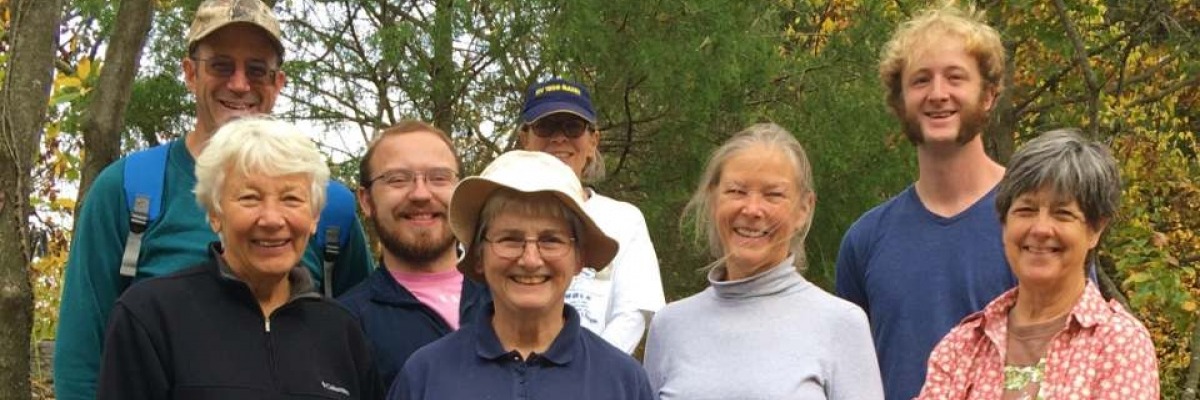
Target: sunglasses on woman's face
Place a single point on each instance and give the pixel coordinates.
(570, 127)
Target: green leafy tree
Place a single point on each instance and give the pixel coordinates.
(363, 65)
(671, 81)
(1120, 71)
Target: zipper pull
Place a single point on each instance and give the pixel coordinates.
(267, 322)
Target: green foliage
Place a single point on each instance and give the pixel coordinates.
(668, 78)
(1138, 51)
(156, 110)
(672, 80)
(859, 156)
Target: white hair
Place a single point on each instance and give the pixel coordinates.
(260, 145)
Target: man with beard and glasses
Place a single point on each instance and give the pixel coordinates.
(923, 260)
(235, 52)
(417, 294)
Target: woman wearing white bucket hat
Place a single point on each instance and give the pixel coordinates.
(526, 236)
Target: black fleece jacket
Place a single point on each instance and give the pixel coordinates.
(200, 334)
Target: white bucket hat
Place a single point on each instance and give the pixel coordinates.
(526, 172)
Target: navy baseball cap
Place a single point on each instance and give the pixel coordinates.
(555, 96)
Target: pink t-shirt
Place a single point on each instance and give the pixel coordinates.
(440, 291)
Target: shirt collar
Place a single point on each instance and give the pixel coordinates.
(1091, 308)
(783, 276)
(1088, 311)
(562, 349)
(300, 282)
(385, 289)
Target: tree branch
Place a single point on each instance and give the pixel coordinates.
(105, 117)
(1177, 86)
(1189, 259)
(1054, 79)
(1107, 286)
(1089, 76)
(485, 141)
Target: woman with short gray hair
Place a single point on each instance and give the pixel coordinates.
(1053, 336)
(248, 323)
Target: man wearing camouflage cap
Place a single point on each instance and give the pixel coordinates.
(233, 68)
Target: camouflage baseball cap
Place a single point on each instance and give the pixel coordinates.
(216, 14)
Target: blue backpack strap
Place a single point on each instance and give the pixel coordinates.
(143, 175)
(333, 230)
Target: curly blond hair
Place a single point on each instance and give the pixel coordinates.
(930, 25)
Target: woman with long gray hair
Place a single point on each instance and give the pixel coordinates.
(760, 330)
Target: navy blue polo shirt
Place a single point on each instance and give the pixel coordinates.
(471, 364)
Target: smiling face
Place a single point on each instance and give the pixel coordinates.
(575, 152)
(529, 284)
(220, 99)
(411, 218)
(758, 209)
(264, 223)
(944, 96)
(1047, 239)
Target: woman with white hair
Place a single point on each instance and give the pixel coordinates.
(760, 330)
(249, 323)
(526, 235)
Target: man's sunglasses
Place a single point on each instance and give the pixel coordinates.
(571, 128)
(223, 67)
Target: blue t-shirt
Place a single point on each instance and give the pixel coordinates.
(917, 274)
(471, 364)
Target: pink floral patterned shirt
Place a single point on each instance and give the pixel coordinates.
(1102, 353)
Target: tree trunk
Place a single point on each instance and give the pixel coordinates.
(1192, 380)
(1000, 137)
(442, 74)
(105, 115)
(23, 98)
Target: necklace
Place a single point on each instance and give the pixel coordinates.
(1024, 379)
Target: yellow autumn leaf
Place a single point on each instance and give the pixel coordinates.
(828, 26)
(1138, 277)
(52, 132)
(84, 69)
(64, 82)
(64, 204)
(1188, 306)
(60, 165)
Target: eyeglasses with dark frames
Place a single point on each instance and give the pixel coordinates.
(256, 71)
(407, 179)
(570, 127)
(550, 247)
